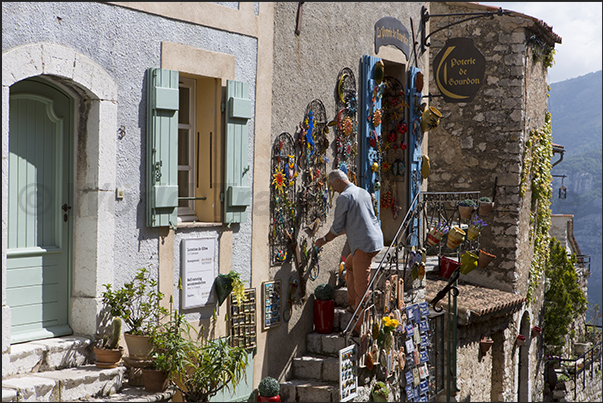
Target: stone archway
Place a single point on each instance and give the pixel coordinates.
(95, 93)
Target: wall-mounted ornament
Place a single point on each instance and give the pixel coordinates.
(345, 124)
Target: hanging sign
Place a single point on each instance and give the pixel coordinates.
(198, 272)
(459, 70)
(390, 31)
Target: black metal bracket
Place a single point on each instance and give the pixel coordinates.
(444, 291)
(425, 16)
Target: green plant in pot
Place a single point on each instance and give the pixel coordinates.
(107, 349)
(137, 303)
(466, 208)
(269, 390)
(485, 206)
(380, 392)
(324, 308)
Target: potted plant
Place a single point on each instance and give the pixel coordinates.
(107, 350)
(380, 392)
(476, 228)
(520, 339)
(137, 303)
(269, 390)
(324, 308)
(436, 234)
(485, 205)
(466, 208)
(227, 283)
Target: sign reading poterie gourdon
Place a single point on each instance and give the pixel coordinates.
(459, 70)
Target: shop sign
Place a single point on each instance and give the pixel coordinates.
(390, 31)
(459, 70)
(198, 272)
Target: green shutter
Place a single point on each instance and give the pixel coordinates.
(162, 147)
(236, 168)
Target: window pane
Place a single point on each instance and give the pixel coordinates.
(183, 116)
(183, 187)
(183, 146)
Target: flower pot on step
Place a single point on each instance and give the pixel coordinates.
(154, 380)
(139, 346)
(108, 357)
(484, 259)
(324, 315)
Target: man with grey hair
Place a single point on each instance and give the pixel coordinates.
(354, 216)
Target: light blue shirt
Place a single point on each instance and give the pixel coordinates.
(355, 214)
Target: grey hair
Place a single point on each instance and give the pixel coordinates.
(337, 174)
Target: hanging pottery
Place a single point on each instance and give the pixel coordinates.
(455, 237)
(473, 232)
(425, 166)
(484, 259)
(434, 237)
(430, 118)
(468, 262)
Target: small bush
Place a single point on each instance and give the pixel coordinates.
(269, 387)
(324, 292)
(468, 203)
(485, 199)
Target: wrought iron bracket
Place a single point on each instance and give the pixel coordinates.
(450, 286)
(425, 16)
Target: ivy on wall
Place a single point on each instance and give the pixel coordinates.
(563, 297)
(536, 176)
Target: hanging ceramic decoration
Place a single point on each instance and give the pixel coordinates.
(282, 191)
(345, 124)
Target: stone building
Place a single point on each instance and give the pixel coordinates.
(480, 145)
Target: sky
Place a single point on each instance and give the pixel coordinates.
(578, 25)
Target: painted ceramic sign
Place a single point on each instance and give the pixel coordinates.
(390, 31)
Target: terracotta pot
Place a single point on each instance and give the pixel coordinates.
(485, 208)
(484, 259)
(107, 357)
(466, 211)
(455, 237)
(276, 398)
(473, 232)
(324, 315)
(139, 347)
(468, 262)
(536, 331)
(448, 266)
(378, 398)
(154, 380)
(485, 345)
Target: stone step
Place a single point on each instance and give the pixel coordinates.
(64, 385)
(135, 394)
(325, 344)
(316, 367)
(305, 390)
(48, 355)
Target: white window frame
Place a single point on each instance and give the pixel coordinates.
(188, 213)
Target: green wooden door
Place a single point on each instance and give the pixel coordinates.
(39, 211)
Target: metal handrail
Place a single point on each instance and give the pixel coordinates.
(378, 273)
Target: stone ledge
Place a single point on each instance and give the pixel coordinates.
(135, 394)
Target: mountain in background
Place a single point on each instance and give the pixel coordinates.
(575, 106)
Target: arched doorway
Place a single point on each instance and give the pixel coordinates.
(93, 96)
(39, 207)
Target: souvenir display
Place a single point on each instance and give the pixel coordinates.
(346, 124)
(271, 303)
(282, 195)
(417, 348)
(348, 379)
(242, 320)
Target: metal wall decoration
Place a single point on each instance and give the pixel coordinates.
(346, 124)
(271, 304)
(282, 199)
(313, 144)
(393, 143)
(242, 320)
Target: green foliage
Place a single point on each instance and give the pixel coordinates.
(137, 303)
(324, 292)
(269, 387)
(117, 325)
(564, 300)
(380, 389)
(468, 203)
(485, 199)
(536, 177)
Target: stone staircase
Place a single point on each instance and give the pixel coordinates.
(316, 374)
(62, 370)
